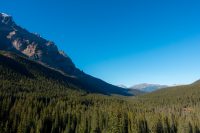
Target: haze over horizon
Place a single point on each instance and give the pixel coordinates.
(127, 42)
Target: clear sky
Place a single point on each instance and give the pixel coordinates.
(120, 41)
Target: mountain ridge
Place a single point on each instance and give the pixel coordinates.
(15, 39)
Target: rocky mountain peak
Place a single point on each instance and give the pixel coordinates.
(6, 19)
(16, 39)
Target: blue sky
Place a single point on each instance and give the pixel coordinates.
(120, 41)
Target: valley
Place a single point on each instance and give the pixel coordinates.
(42, 91)
(34, 98)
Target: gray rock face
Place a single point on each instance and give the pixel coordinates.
(32, 45)
(6, 19)
(16, 39)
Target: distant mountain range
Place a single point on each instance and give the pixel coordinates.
(18, 40)
(145, 87)
(148, 87)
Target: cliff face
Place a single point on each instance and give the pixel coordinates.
(16, 39)
(32, 45)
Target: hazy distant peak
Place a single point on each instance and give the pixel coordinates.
(148, 87)
(122, 86)
(142, 85)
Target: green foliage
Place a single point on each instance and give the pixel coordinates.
(38, 100)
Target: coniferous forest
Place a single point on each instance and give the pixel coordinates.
(32, 100)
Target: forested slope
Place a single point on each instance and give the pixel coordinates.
(37, 99)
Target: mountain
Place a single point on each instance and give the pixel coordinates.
(39, 97)
(18, 40)
(122, 86)
(42, 91)
(148, 87)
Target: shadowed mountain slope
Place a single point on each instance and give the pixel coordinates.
(15, 68)
(18, 40)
